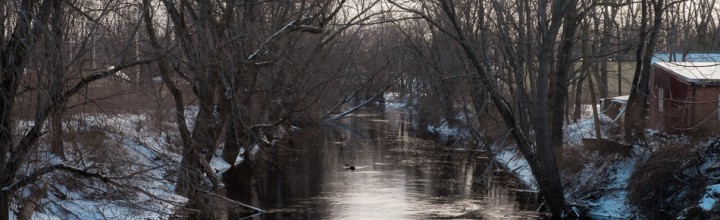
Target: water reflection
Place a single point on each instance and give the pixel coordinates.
(399, 175)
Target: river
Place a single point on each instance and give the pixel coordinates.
(400, 174)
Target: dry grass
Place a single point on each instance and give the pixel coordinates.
(607, 147)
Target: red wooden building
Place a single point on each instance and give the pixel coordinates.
(685, 97)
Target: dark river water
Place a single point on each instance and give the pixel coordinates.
(400, 175)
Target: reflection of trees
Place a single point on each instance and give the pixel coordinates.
(311, 174)
(292, 176)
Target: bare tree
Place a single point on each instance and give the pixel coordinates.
(239, 66)
(638, 101)
(35, 26)
(554, 62)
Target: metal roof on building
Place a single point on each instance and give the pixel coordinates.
(690, 57)
(695, 72)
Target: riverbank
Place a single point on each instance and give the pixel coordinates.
(605, 183)
(100, 144)
(597, 184)
(133, 159)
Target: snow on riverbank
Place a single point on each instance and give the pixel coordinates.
(585, 128)
(712, 195)
(393, 100)
(135, 156)
(598, 178)
(611, 205)
(514, 162)
(614, 204)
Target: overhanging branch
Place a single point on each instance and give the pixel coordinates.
(49, 169)
(371, 99)
(25, 145)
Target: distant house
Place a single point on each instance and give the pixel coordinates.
(685, 97)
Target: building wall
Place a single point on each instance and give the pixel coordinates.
(705, 113)
(676, 113)
(691, 109)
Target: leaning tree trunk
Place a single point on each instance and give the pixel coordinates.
(559, 83)
(193, 167)
(636, 113)
(644, 86)
(13, 58)
(549, 110)
(540, 166)
(631, 106)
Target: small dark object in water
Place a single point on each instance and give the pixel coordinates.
(352, 168)
(349, 167)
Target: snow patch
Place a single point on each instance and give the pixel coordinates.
(516, 164)
(147, 184)
(712, 194)
(219, 165)
(393, 100)
(585, 128)
(614, 204)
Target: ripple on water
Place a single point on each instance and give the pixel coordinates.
(398, 176)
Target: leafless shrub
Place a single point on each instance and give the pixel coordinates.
(586, 173)
(664, 184)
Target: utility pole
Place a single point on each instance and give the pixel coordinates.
(618, 57)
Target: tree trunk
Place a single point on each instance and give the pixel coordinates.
(549, 109)
(577, 112)
(603, 79)
(635, 115)
(596, 117)
(56, 133)
(631, 106)
(546, 174)
(232, 145)
(56, 79)
(4, 205)
(13, 58)
(564, 65)
(644, 86)
(192, 165)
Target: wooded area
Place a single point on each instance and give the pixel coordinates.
(232, 75)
